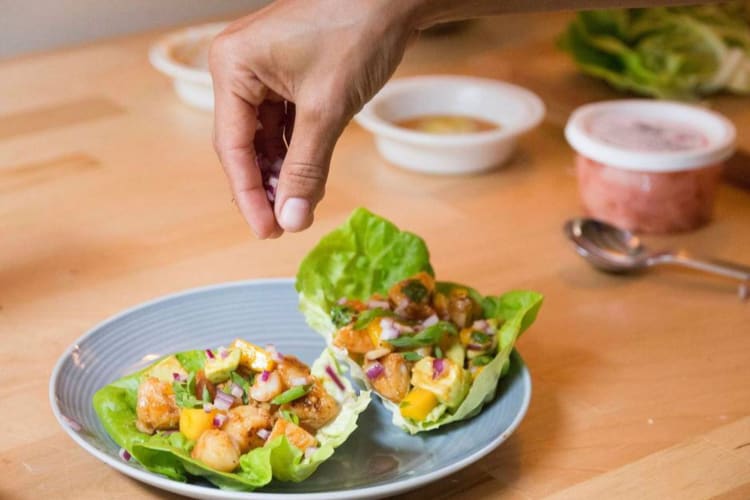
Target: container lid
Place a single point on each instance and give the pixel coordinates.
(650, 136)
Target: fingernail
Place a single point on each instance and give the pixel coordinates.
(295, 214)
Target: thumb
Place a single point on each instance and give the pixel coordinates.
(305, 169)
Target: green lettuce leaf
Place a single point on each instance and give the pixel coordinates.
(169, 453)
(348, 263)
(363, 256)
(666, 52)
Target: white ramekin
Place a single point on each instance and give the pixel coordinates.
(515, 109)
(192, 82)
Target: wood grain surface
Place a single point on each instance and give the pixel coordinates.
(110, 194)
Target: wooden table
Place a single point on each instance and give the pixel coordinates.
(110, 194)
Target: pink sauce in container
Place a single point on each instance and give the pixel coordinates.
(649, 166)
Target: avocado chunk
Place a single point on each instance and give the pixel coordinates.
(450, 386)
(165, 369)
(219, 369)
(456, 353)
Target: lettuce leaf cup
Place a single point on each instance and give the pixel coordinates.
(433, 351)
(238, 417)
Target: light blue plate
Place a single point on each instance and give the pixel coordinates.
(377, 460)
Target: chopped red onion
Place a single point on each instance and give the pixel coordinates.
(474, 347)
(310, 451)
(336, 380)
(295, 381)
(263, 434)
(236, 390)
(375, 371)
(210, 354)
(208, 407)
(223, 352)
(480, 324)
(72, 423)
(387, 329)
(432, 320)
(341, 301)
(223, 401)
(219, 420)
(124, 455)
(264, 375)
(178, 377)
(378, 304)
(438, 366)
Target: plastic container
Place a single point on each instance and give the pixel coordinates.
(649, 166)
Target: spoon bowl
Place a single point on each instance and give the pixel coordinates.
(605, 246)
(615, 250)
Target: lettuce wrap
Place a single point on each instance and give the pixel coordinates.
(169, 453)
(367, 255)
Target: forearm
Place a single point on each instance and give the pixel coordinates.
(430, 12)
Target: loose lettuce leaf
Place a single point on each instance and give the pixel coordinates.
(346, 263)
(169, 454)
(363, 256)
(666, 52)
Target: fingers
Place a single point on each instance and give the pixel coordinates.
(235, 128)
(305, 169)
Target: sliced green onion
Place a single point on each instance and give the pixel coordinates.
(290, 395)
(412, 356)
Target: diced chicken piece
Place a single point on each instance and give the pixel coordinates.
(217, 450)
(156, 408)
(244, 422)
(461, 307)
(354, 341)
(293, 371)
(296, 435)
(410, 298)
(394, 382)
(266, 390)
(315, 409)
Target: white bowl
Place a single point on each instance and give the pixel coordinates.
(183, 55)
(515, 109)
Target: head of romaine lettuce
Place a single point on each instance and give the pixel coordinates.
(666, 52)
(169, 453)
(368, 254)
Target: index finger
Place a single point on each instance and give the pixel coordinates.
(235, 124)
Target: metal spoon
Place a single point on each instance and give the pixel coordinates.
(612, 249)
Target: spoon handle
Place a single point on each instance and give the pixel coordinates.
(715, 266)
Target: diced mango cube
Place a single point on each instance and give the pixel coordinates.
(296, 435)
(374, 330)
(195, 421)
(417, 404)
(253, 357)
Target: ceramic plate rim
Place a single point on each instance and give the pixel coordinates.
(207, 492)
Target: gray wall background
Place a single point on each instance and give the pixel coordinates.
(36, 25)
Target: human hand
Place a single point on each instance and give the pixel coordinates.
(295, 72)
